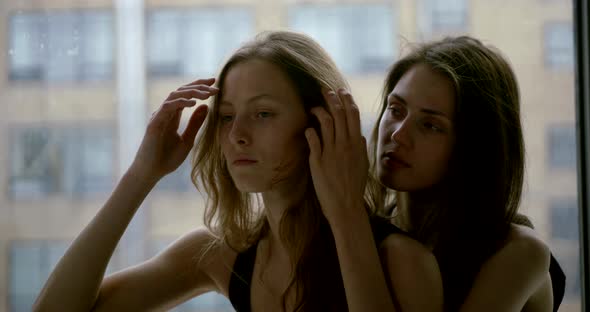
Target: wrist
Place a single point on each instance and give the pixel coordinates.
(141, 176)
(349, 217)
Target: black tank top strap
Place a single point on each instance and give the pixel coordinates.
(557, 281)
(382, 227)
(241, 279)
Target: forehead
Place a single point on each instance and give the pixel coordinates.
(252, 78)
(421, 86)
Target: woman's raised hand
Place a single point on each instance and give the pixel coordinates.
(163, 149)
(339, 163)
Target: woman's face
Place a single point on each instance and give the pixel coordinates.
(416, 133)
(262, 120)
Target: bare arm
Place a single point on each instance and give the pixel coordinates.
(412, 273)
(75, 281)
(512, 276)
(339, 170)
(363, 276)
(172, 277)
(74, 284)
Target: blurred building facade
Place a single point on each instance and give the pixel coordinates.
(60, 112)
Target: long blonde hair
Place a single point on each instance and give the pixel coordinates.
(235, 218)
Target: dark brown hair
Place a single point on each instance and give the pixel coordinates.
(479, 196)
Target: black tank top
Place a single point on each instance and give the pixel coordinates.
(241, 278)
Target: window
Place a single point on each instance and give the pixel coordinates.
(564, 228)
(448, 14)
(442, 16)
(359, 37)
(562, 146)
(179, 180)
(61, 46)
(30, 264)
(564, 219)
(559, 46)
(60, 160)
(194, 42)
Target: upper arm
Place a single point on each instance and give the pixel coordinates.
(511, 276)
(168, 279)
(412, 274)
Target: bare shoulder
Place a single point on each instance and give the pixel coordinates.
(524, 242)
(512, 275)
(203, 251)
(523, 255)
(404, 246)
(190, 266)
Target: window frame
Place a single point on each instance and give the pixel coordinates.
(581, 13)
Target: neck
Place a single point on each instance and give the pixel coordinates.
(412, 207)
(277, 201)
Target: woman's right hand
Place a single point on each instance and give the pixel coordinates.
(163, 149)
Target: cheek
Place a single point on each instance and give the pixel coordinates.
(288, 151)
(436, 157)
(222, 140)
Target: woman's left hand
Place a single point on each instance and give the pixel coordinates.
(339, 162)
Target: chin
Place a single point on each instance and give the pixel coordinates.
(399, 183)
(250, 186)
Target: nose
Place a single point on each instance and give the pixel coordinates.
(239, 133)
(401, 133)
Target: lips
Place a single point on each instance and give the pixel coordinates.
(390, 159)
(244, 161)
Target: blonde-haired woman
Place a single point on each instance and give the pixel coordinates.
(278, 234)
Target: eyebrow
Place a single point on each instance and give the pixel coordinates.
(252, 99)
(423, 110)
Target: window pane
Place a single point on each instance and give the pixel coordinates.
(562, 146)
(360, 37)
(97, 46)
(194, 42)
(559, 46)
(32, 172)
(59, 45)
(163, 42)
(27, 51)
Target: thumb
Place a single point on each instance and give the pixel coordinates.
(194, 124)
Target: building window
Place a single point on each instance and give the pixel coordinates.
(564, 219)
(178, 181)
(359, 37)
(448, 14)
(61, 46)
(76, 161)
(562, 147)
(436, 17)
(564, 227)
(194, 42)
(559, 46)
(30, 263)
